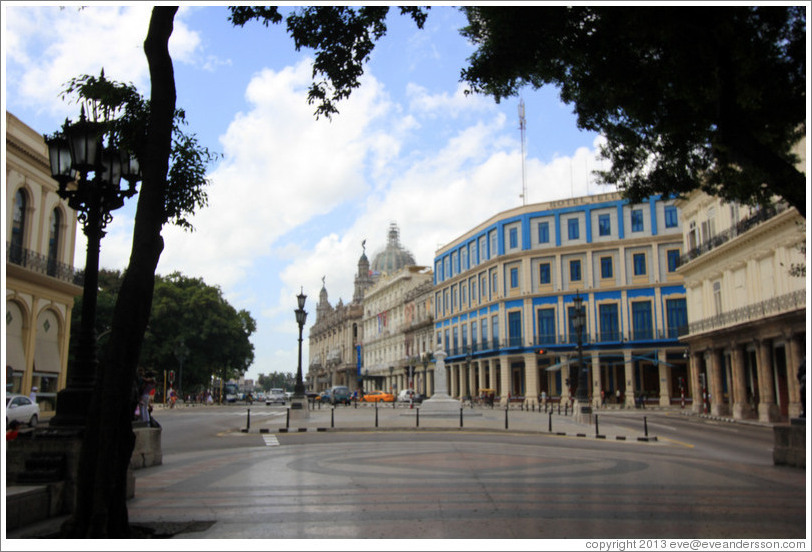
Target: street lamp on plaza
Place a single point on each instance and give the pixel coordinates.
(301, 316)
(76, 152)
(581, 394)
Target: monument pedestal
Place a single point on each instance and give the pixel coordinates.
(582, 412)
(440, 404)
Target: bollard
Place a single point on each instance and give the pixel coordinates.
(287, 420)
(566, 406)
(376, 413)
(550, 422)
(645, 426)
(596, 425)
(461, 409)
(248, 420)
(333, 417)
(506, 417)
(418, 417)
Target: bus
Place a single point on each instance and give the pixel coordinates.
(231, 391)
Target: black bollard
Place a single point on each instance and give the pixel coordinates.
(248, 420)
(418, 417)
(645, 426)
(287, 420)
(333, 417)
(376, 413)
(596, 425)
(506, 417)
(461, 409)
(550, 422)
(566, 406)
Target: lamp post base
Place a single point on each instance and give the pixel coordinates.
(72, 404)
(299, 409)
(582, 412)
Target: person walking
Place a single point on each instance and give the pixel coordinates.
(145, 392)
(33, 395)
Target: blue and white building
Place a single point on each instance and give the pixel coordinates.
(505, 291)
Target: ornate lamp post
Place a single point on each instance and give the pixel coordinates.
(75, 153)
(298, 400)
(581, 394)
(426, 359)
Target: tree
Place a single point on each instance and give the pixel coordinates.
(709, 98)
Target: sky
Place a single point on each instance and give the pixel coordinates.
(292, 197)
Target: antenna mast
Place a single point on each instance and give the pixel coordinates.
(522, 127)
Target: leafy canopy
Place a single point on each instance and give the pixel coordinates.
(687, 97)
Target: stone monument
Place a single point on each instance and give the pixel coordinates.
(440, 403)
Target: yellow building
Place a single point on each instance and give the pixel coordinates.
(41, 283)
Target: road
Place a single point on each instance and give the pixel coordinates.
(698, 480)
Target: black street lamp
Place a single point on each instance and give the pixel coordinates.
(426, 359)
(581, 394)
(301, 316)
(74, 153)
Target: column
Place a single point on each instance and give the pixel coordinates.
(629, 392)
(717, 366)
(472, 387)
(665, 378)
(492, 373)
(694, 369)
(794, 359)
(61, 381)
(767, 409)
(452, 380)
(481, 369)
(597, 380)
(531, 381)
(504, 380)
(742, 408)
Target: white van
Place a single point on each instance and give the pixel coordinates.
(275, 396)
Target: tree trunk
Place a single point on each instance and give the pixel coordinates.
(101, 508)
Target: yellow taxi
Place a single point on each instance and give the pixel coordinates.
(377, 396)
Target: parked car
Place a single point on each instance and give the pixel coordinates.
(275, 396)
(377, 396)
(410, 395)
(339, 394)
(22, 409)
(323, 397)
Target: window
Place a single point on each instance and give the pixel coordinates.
(494, 250)
(606, 267)
(514, 278)
(447, 267)
(544, 273)
(544, 232)
(641, 320)
(472, 254)
(672, 256)
(484, 328)
(456, 339)
(474, 296)
(637, 220)
(473, 335)
(513, 238)
(18, 228)
(639, 264)
(545, 319)
(494, 284)
(515, 329)
(717, 297)
(483, 286)
(573, 329)
(676, 316)
(464, 293)
(610, 327)
(455, 264)
(495, 330)
(575, 271)
(464, 337)
(453, 298)
(573, 229)
(671, 216)
(604, 225)
(483, 250)
(464, 259)
(53, 242)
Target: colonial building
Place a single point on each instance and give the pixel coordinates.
(394, 324)
(419, 339)
(335, 337)
(40, 280)
(505, 291)
(747, 312)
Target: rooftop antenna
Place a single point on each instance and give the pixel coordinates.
(522, 128)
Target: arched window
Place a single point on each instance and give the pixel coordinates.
(16, 247)
(53, 241)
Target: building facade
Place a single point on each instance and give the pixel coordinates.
(335, 338)
(394, 328)
(504, 302)
(747, 312)
(41, 283)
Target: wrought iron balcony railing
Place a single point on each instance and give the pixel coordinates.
(41, 264)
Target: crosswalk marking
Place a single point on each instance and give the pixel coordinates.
(270, 440)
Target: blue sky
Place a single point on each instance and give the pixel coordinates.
(293, 197)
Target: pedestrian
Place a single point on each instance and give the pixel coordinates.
(33, 395)
(146, 390)
(603, 397)
(617, 395)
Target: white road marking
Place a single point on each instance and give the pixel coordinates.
(270, 440)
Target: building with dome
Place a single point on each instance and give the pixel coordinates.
(393, 257)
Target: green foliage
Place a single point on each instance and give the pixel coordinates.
(186, 314)
(125, 114)
(687, 97)
(276, 380)
(343, 38)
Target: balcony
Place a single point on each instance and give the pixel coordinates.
(743, 226)
(748, 313)
(39, 263)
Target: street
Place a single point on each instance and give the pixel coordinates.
(698, 480)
